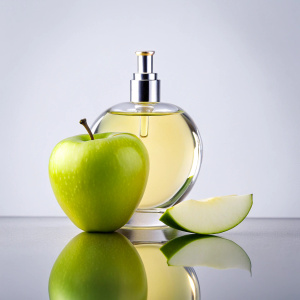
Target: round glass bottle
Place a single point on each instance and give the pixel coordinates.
(170, 136)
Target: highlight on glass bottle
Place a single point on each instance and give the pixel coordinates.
(170, 136)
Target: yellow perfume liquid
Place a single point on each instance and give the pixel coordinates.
(171, 146)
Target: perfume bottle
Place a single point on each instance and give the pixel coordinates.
(170, 136)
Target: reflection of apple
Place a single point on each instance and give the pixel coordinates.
(99, 183)
(164, 282)
(98, 266)
(206, 250)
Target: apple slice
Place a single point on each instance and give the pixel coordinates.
(206, 250)
(212, 215)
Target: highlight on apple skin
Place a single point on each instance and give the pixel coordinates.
(99, 183)
(98, 266)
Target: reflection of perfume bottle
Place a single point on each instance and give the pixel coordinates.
(170, 136)
(167, 282)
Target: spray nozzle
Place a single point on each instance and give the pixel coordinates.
(145, 87)
(144, 61)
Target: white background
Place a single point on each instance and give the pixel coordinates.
(232, 65)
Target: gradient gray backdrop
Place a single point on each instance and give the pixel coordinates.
(232, 65)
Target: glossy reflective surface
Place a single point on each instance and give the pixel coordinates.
(260, 259)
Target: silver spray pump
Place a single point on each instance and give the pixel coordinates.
(145, 87)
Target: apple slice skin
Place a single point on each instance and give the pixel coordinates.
(173, 246)
(169, 220)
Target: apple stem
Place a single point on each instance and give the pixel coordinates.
(86, 126)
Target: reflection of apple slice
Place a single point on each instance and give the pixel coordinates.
(209, 251)
(212, 215)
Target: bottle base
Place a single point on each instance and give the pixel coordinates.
(146, 219)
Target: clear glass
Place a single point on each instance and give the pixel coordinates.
(175, 152)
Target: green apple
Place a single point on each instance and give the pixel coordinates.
(212, 215)
(206, 250)
(98, 266)
(99, 183)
